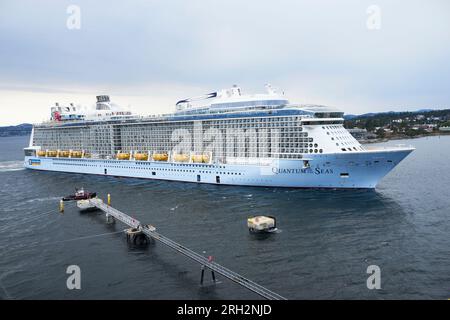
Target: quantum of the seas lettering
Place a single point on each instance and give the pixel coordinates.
(299, 171)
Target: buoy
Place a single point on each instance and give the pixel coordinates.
(109, 199)
(61, 206)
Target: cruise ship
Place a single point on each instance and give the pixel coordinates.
(224, 137)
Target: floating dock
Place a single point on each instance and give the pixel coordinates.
(203, 261)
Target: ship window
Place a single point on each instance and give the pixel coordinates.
(343, 149)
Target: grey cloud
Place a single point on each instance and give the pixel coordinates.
(318, 47)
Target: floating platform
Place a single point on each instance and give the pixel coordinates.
(262, 224)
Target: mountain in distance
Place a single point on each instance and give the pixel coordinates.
(19, 130)
(386, 113)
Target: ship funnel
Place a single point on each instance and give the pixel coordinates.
(102, 98)
(103, 103)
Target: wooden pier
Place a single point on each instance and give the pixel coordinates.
(203, 261)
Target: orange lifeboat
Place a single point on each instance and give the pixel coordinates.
(160, 157)
(181, 158)
(141, 156)
(76, 154)
(123, 156)
(200, 158)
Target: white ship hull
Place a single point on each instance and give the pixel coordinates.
(352, 170)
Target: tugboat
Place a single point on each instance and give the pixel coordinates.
(82, 198)
(80, 194)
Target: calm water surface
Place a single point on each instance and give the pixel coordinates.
(328, 238)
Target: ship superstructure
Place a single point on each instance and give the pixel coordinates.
(223, 137)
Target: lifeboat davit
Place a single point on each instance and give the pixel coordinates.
(63, 154)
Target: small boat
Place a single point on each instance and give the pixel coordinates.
(63, 154)
(181, 157)
(160, 157)
(80, 194)
(76, 154)
(200, 158)
(259, 224)
(141, 156)
(123, 156)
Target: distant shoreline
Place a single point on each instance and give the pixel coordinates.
(15, 131)
(403, 137)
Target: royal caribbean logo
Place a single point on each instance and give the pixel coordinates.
(34, 162)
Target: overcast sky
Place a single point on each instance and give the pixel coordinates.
(150, 54)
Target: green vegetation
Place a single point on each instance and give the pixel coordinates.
(400, 124)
